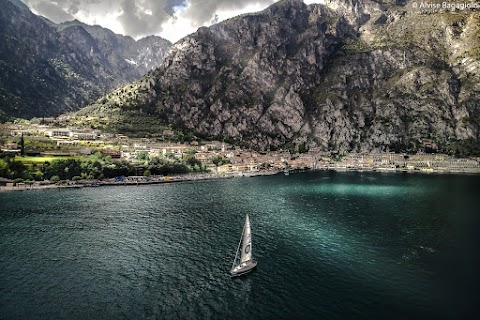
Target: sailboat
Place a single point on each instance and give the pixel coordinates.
(246, 262)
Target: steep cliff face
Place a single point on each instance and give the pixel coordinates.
(352, 75)
(411, 76)
(126, 58)
(46, 69)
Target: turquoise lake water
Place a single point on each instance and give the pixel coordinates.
(329, 245)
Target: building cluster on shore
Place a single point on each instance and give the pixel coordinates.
(75, 141)
(426, 162)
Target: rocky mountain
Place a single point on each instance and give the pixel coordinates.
(125, 56)
(352, 75)
(48, 69)
(20, 4)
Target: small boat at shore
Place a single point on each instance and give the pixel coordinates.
(246, 262)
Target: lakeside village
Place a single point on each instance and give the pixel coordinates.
(46, 155)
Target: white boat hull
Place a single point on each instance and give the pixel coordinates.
(243, 268)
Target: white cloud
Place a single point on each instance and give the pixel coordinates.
(182, 24)
(224, 14)
(171, 19)
(108, 20)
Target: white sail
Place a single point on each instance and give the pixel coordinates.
(247, 242)
(247, 263)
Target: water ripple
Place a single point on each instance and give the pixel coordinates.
(329, 245)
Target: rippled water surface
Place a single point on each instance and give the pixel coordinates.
(329, 246)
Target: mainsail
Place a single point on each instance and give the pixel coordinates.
(247, 242)
(247, 263)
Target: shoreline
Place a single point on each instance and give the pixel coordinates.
(131, 182)
(210, 176)
(469, 171)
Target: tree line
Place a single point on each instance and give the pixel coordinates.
(76, 169)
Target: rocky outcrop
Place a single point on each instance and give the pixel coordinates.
(350, 75)
(127, 59)
(47, 69)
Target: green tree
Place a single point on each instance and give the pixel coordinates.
(3, 168)
(16, 169)
(191, 161)
(302, 148)
(191, 152)
(142, 155)
(155, 161)
(17, 181)
(265, 165)
(170, 155)
(22, 146)
(219, 160)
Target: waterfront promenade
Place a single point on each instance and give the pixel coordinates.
(134, 181)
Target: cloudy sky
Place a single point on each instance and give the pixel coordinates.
(171, 19)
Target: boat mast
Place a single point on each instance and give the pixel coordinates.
(238, 248)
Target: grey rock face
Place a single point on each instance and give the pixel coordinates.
(126, 58)
(353, 75)
(47, 69)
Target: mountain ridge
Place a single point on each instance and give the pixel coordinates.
(350, 75)
(48, 69)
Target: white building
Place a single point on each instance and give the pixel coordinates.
(60, 133)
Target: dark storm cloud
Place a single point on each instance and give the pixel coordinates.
(146, 17)
(203, 11)
(136, 21)
(141, 17)
(60, 11)
(171, 4)
(52, 11)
